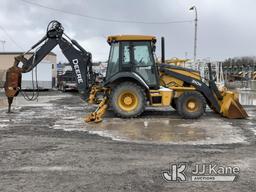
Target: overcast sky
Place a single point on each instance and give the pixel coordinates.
(226, 28)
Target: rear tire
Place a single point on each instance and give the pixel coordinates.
(191, 105)
(128, 100)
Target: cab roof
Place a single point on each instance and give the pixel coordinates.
(131, 38)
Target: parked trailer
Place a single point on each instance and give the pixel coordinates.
(44, 78)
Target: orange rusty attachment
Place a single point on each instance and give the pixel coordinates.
(12, 84)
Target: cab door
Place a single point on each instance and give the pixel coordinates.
(126, 64)
(113, 61)
(144, 64)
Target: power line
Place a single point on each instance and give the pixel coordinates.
(10, 37)
(104, 19)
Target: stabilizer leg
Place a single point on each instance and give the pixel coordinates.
(97, 115)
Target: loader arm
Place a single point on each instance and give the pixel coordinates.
(79, 59)
(225, 103)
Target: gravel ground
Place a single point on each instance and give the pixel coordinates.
(46, 146)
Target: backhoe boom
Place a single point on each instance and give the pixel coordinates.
(79, 59)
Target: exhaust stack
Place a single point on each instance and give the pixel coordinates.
(162, 50)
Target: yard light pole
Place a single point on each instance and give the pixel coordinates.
(195, 38)
(3, 42)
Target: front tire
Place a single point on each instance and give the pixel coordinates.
(128, 100)
(191, 105)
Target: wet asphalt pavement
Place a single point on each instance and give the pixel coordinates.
(46, 146)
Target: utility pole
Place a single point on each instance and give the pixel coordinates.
(195, 38)
(3, 43)
(186, 55)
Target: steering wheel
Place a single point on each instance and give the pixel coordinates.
(54, 29)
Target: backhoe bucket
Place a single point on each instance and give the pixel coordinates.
(231, 107)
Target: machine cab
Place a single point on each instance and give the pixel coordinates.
(133, 54)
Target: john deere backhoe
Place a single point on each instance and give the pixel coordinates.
(133, 80)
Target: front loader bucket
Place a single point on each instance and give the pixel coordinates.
(231, 107)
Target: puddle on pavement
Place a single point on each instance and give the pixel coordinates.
(169, 131)
(206, 130)
(3, 102)
(162, 131)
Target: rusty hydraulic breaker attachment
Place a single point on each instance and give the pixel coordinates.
(12, 84)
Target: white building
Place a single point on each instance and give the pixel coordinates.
(46, 70)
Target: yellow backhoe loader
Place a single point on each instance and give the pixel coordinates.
(133, 80)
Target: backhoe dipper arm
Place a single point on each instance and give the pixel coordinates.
(79, 59)
(38, 55)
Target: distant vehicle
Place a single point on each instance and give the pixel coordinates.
(67, 81)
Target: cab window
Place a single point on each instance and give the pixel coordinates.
(126, 54)
(144, 62)
(142, 56)
(113, 64)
